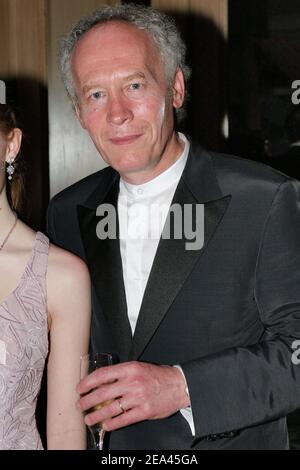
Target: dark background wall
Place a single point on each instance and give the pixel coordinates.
(263, 62)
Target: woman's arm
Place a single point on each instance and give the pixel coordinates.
(69, 307)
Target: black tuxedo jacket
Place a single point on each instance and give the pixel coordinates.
(228, 313)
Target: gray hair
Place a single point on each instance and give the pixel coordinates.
(160, 27)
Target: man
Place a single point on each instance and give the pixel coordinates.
(204, 335)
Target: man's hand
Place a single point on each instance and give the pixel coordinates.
(143, 391)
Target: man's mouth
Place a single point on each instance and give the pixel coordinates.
(125, 139)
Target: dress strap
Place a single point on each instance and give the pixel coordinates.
(39, 261)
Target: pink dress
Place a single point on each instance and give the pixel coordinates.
(23, 350)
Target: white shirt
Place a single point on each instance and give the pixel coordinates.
(142, 211)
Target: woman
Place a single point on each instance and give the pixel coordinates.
(43, 289)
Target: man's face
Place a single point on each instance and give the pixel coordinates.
(124, 100)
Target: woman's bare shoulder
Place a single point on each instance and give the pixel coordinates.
(68, 285)
(64, 266)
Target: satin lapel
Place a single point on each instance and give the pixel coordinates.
(173, 263)
(104, 261)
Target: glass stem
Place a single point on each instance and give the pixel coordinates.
(101, 439)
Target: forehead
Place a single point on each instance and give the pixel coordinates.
(114, 44)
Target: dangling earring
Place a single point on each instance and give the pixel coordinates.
(10, 169)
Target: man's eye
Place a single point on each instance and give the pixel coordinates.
(135, 86)
(96, 95)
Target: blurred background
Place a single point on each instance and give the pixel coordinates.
(245, 57)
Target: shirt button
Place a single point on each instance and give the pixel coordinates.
(140, 191)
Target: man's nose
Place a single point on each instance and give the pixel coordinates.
(119, 111)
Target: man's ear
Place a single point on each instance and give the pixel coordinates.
(178, 89)
(13, 143)
(79, 115)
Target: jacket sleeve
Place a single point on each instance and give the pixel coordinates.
(245, 386)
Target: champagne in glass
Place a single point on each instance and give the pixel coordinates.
(88, 364)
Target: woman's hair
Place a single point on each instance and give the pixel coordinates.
(8, 123)
(160, 27)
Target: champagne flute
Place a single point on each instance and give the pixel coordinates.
(89, 363)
